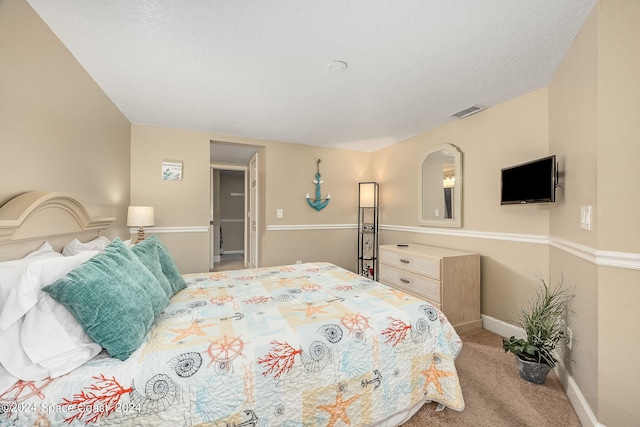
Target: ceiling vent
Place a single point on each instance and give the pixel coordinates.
(467, 111)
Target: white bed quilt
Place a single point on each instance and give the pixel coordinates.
(300, 345)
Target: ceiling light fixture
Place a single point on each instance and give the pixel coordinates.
(337, 66)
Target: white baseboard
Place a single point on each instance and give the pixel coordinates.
(500, 327)
(579, 403)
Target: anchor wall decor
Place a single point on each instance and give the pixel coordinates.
(318, 203)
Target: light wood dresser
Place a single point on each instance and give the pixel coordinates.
(447, 278)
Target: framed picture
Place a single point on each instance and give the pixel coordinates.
(171, 170)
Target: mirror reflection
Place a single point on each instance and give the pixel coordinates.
(441, 187)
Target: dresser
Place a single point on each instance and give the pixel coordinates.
(447, 278)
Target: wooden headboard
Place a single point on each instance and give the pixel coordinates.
(32, 218)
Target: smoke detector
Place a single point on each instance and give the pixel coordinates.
(337, 66)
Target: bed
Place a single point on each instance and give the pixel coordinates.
(296, 345)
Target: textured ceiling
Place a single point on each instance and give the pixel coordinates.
(258, 69)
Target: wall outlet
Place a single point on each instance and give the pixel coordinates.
(569, 339)
(299, 262)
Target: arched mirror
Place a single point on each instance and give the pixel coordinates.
(441, 187)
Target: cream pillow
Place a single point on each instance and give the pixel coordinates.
(76, 246)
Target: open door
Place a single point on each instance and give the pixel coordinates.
(253, 212)
(239, 231)
(213, 232)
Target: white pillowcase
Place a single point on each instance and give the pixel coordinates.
(76, 246)
(71, 351)
(10, 271)
(25, 290)
(39, 337)
(44, 250)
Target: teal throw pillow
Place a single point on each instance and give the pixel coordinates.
(147, 252)
(114, 297)
(169, 268)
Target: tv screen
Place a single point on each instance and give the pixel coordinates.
(531, 182)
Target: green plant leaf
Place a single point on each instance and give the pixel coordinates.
(543, 323)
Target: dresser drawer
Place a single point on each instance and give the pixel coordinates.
(428, 266)
(415, 283)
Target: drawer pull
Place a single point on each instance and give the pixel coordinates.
(405, 280)
(404, 261)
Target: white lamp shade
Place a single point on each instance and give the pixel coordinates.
(140, 216)
(368, 194)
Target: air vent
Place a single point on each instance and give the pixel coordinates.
(467, 111)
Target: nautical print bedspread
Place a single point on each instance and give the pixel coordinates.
(301, 345)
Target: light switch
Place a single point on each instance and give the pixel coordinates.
(279, 213)
(585, 217)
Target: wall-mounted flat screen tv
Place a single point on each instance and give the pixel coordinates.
(531, 182)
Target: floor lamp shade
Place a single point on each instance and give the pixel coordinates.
(368, 194)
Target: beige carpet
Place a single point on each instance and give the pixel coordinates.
(229, 262)
(494, 393)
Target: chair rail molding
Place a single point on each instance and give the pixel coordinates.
(159, 230)
(626, 260)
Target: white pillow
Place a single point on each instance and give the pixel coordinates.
(25, 292)
(43, 250)
(10, 271)
(50, 334)
(15, 360)
(41, 338)
(66, 352)
(76, 246)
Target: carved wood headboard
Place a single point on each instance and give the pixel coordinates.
(32, 218)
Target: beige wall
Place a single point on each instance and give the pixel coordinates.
(178, 204)
(290, 172)
(511, 133)
(58, 130)
(618, 204)
(507, 134)
(618, 125)
(286, 172)
(593, 125)
(573, 129)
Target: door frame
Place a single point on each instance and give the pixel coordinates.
(253, 217)
(234, 167)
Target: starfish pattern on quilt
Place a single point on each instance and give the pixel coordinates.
(311, 309)
(198, 291)
(398, 293)
(194, 329)
(338, 410)
(433, 375)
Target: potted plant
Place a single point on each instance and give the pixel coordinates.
(544, 328)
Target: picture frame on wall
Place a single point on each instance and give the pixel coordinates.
(172, 170)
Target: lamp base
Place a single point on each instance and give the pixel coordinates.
(140, 234)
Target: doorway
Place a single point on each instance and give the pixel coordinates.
(234, 226)
(228, 220)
